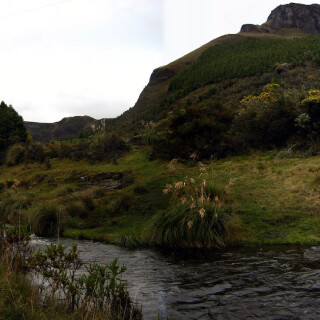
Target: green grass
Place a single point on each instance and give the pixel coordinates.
(19, 300)
(274, 201)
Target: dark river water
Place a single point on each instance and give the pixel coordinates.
(278, 282)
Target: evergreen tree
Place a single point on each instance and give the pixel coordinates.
(12, 129)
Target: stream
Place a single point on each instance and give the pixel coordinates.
(278, 282)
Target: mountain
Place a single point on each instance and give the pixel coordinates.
(67, 128)
(163, 93)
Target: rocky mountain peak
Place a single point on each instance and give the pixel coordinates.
(293, 15)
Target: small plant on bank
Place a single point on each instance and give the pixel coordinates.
(14, 246)
(99, 291)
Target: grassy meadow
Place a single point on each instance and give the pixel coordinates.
(273, 197)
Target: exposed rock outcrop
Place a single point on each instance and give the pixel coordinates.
(253, 28)
(161, 74)
(290, 16)
(293, 15)
(284, 67)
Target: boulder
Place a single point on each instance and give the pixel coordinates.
(284, 67)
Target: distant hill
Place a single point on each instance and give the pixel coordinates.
(224, 61)
(67, 128)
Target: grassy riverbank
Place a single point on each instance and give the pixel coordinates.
(275, 200)
(18, 300)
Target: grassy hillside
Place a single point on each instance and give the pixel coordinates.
(67, 128)
(156, 99)
(245, 59)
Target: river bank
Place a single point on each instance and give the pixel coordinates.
(274, 199)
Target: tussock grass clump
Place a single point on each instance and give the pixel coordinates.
(196, 218)
(124, 202)
(44, 220)
(76, 209)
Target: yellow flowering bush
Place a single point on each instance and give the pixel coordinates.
(269, 95)
(265, 120)
(313, 97)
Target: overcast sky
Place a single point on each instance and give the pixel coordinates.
(63, 58)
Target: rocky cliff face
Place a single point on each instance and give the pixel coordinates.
(293, 15)
(304, 17)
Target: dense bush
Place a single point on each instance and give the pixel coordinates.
(196, 130)
(28, 153)
(35, 152)
(308, 121)
(15, 155)
(266, 120)
(12, 129)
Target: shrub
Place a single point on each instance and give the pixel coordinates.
(100, 290)
(196, 129)
(14, 246)
(16, 155)
(266, 120)
(35, 153)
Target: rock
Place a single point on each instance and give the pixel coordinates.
(284, 67)
(161, 74)
(293, 15)
(253, 28)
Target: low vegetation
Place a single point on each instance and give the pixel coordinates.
(99, 293)
(267, 197)
(245, 59)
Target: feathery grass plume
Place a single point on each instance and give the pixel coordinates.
(196, 218)
(174, 165)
